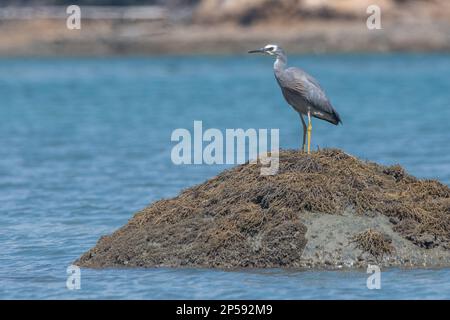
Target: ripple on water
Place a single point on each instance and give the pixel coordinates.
(86, 142)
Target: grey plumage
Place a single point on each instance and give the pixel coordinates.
(304, 93)
(300, 89)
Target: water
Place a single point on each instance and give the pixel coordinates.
(86, 142)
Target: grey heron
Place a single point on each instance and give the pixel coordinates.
(301, 91)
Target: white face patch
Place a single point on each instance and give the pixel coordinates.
(271, 48)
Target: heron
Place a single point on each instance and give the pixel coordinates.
(301, 91)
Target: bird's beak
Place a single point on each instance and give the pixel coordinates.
(257, 51)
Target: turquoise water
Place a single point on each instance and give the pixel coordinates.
(86, 142)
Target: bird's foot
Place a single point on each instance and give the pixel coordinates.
(304, 149)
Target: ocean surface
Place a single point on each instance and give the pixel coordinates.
(84, 143)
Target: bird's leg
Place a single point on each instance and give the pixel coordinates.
(304, 133)
(309, 132)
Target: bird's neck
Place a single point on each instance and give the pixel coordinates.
(280, 64)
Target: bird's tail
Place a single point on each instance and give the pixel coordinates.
(333, 117)
(337, 117)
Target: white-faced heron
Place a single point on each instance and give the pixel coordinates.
(301, 91)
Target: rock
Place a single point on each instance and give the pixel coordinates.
(311, 214)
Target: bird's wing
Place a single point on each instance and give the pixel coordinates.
(297, 81)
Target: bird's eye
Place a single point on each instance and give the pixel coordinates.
(269, 49)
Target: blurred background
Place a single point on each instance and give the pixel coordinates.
(34, 27)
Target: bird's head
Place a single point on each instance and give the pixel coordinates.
(270, 49)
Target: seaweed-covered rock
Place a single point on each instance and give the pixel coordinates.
(323, 210)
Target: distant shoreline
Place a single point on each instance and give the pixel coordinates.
(155, 31)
